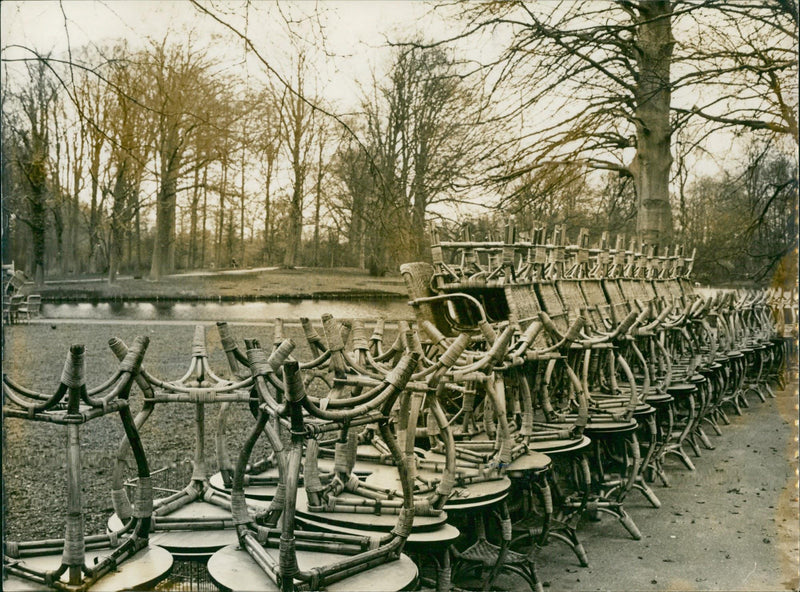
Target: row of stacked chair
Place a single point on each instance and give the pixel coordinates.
(541, 383)
(612, 343)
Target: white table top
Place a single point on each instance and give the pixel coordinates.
(443, 533)
(559, 446)
(254, 492)
(367, 520)
(145, 569)
(232, 568)
(462, 497)
(191, 541)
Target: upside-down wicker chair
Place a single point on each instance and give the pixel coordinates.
(282, 421)
(123, 558)
(179, 514)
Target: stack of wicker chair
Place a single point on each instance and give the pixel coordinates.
(542, 383)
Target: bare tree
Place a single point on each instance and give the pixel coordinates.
(131, 138)
(268, 147)
(604, 70)
(737, 220)
(321, 171)
(609, 72)
(424, 139)
(298, 131)
(185, 100)
(354, 197)
(747, 53)
(30, 126)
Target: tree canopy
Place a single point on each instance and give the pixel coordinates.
(664, 120)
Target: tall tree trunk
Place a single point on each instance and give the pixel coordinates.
(124, 210)
(74, 215)
(221, 217)
(318, 204)
(267, 215)
(193, 216)
(120, 197)
(295, 227)
(420, 250)
(128, 249)
(94, 209)
(355, 235)
(58, 227)
(138, 228)
(316, 228)
(171, 225)
(57, 195)
(651, 165)
(241, 216)
(163, 247)
(38, 226)
(297, 124)
(230, 237)
(205, 220)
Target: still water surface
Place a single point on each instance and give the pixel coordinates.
(229, 311)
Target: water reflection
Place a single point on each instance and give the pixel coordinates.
(229, 311)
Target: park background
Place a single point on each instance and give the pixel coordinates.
(142, 139)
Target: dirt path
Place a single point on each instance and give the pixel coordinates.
(730, 525)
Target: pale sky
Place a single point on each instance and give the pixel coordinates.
(355, 32)
(346, 41)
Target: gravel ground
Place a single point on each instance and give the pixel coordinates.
(730, 525)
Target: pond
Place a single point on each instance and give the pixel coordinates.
(229, 311)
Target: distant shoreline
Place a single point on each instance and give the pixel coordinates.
(265, 285)
(57, 297)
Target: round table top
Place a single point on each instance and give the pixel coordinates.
(643, 410)
(533, 460)
(622, 403)
(366, 452)
(479, 436)
(682, 388)
(362, 467)
(609, 427)
(464, 504)
(232, 568)
(552, 447)
(659, 399)
(441, 534)
(462, 497)
(367, 520)
(145, 569)
(530, 462)
(267, 492)
(263, 493)
(192, 542)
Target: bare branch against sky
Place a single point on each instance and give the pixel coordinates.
(567, 103)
